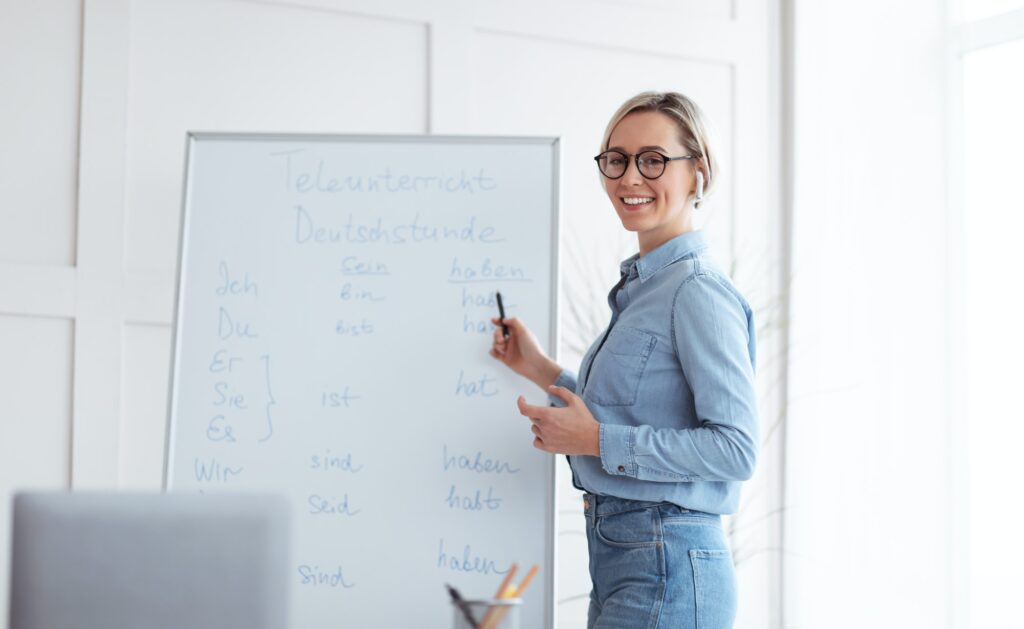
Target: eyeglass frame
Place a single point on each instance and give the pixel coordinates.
(636, 159)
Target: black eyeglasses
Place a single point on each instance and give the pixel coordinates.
(650, 164)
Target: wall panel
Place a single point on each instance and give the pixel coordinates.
(243, 66)
(145, 362)
(40, 44)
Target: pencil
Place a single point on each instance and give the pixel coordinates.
(512, 592)
(500, 594)
(526, 581)
(508, 579)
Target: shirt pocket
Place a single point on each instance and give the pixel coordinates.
(618, 367)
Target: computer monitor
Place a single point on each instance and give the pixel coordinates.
(149, 561)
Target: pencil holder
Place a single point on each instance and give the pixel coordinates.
(496, 613)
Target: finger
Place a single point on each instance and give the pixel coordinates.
(513, 324)
(498, 326)
(537, 443)
(535, 429)
(499, 338)
(529, 410)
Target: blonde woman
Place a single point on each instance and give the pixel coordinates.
(660, 425)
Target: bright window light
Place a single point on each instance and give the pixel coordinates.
(981, 9)
(994, 312)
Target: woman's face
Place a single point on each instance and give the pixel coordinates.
(656, 209)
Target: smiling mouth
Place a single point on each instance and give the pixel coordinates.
(636, 203)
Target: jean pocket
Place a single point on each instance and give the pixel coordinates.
(630, 529)
(619, 366)
(714, 587)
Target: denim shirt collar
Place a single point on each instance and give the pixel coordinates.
(664, 255)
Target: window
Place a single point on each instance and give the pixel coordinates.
(981, 9)
(987, 68)
(994, 280)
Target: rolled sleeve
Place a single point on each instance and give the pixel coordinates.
(618, 449)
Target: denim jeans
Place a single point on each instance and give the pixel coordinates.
(657, 565)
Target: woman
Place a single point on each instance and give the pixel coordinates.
(661, 424)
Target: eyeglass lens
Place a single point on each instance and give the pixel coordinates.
(613, 164)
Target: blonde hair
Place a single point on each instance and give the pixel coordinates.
(693, 127)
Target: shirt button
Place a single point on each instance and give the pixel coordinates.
(622, 468)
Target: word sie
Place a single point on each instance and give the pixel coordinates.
(225, 397)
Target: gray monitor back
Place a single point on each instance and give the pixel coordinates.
(149, 561)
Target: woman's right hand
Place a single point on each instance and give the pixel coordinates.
(522, 353)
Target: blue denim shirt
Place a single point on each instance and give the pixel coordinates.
(672, 383)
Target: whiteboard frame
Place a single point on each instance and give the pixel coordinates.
(192, 138)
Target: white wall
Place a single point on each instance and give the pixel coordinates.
(867, 455)
(97, 96)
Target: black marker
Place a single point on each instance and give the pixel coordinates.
(461, 604)
(501, 311)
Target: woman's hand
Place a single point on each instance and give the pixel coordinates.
(571, 429)
(521, 352)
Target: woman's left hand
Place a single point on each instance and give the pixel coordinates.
(571, 429)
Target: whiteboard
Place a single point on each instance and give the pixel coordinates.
(330, 343)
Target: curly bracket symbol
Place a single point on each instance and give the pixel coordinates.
(270, 399)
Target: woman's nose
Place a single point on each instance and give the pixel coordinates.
(632, 175)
